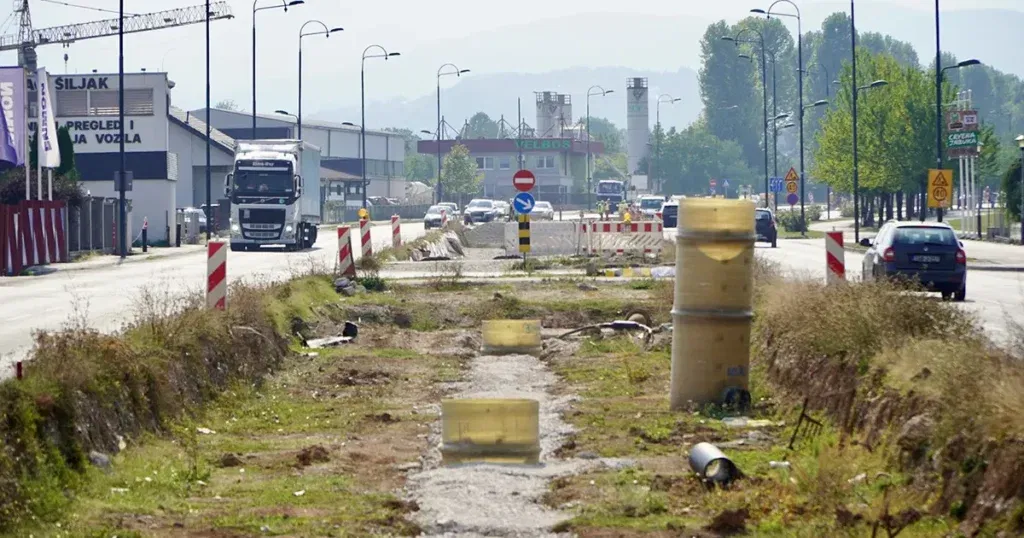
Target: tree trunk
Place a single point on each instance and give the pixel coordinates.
(881, 208)
(899, 205)
(888, 206)
(868, 211)
(910, 206)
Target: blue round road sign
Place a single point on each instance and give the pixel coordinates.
(792, 199)
(524, 203)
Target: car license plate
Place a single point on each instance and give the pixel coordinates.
(926, 259)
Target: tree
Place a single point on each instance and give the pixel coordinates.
(482, 126)
(227, 104)
(729, 91)
(1011, 186)
(461, 176)
(419, 167)
(603, 130)
(688, 159)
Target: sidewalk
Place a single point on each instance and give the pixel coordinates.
(101, 261)
(983, 255)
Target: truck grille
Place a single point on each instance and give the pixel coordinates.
(261, 223)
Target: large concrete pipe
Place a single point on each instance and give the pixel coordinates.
(713, 302)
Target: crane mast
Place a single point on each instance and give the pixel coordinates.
(28, 39)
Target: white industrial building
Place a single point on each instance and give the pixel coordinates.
(339, 146)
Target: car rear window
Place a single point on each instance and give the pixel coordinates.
(762, 215)
(650, 203)
(919, 235)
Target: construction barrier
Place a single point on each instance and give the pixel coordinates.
(835, 257)
(622, 237)
(396, 231)
(32, 233)
(444, 218)
(364, 234)
(346, 265)
(216, 274)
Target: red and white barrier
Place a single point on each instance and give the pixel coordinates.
(835, 257)
(346, 265)
(31, 233)
(396, 231)
(364, 234)
(216, 275)
(622, 237)
(444, 218)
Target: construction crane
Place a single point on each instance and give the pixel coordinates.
(28, 39)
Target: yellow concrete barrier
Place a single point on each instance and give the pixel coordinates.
(713, 301)
(490, 431)
(508, 336)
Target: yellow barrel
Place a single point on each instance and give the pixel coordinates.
(713, 300)
(490, 431)
(508, 336)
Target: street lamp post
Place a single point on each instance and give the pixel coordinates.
(800, 89)
(439, 192)
(657, 150)
(325, 32)
(284, 4)
(362, 104)
(209, 181)
(856, 170)
(764, 95)
(590, 179)
(1020, 142)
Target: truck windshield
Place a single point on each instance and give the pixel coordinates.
(651, 203)
(612, 187)
(264, 178)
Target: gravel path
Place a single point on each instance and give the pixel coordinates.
(498, 500)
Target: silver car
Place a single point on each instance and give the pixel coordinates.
(543, 211)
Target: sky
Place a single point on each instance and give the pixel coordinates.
(522, 36)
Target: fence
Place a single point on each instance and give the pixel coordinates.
(32, 233)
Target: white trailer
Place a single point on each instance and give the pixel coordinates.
(275, 194)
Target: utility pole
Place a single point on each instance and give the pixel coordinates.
(122, 204)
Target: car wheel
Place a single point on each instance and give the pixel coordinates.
(775, 241)
(961, 294)
(947, 295)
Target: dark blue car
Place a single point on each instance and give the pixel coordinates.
(928, 253)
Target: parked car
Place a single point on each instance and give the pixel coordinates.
(925, 252)
(481, 210)
(543, 211)
(453, 209)
(648, 205)
(433, 217)
(766, 227)
(504, 208)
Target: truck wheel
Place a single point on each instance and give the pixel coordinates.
(316, 231)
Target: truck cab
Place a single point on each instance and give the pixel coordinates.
(274, 193)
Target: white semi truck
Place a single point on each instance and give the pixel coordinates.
(274, 191)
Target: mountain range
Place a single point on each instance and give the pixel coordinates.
(623, 45)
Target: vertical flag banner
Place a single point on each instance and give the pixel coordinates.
(13, 100)
(49, 154)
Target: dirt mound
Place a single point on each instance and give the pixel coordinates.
(729, 522)
(313, 454)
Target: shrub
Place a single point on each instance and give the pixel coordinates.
(791, 222)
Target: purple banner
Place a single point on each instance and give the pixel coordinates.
(13, 100)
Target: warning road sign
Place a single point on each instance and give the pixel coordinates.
(939, 187)
(792, 175)
(791, 184)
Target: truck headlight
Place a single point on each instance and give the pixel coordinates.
(235, 228)
(289, 229)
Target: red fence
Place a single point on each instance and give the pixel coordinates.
(32, 233)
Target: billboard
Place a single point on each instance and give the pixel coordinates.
(13, 101)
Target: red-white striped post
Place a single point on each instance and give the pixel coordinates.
(835, 257)
(396, 231)
(216, 275)
(364, 234)
(346, 266)
(444, 218)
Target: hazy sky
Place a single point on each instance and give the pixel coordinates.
(425, 32)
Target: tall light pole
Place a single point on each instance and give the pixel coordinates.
(326, 32)
(764, 93)
(122, 203)
(856, 170)
(775, 146)
(939, 73)
(362, 102)
(439, 192)
(590, 179)
(285, 4)
(800, 88)
(1020, 143)
(209, 181)
(657, 150)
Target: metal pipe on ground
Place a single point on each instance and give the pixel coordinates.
(713, 306)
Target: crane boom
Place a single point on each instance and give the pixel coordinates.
(70, 33)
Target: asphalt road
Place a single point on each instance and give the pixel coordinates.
(995, 298)
(104, 298)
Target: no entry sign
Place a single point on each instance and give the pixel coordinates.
(524, 180)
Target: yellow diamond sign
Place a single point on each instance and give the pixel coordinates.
(940, 189)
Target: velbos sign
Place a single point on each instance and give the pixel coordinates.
(554, 144)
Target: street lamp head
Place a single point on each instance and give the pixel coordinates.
(966, 63)
(879, 83)
(390, 54)
(283, 113)
(463, 72)
(746, 57)
(821, 102)
(294, 3)
(332, 30)
(1020, 141)
(677, 99)
(787, 126)
(759, 11)
(606, 92)
(348, 124)
(728, 38)
(782, 116)
(424, 131)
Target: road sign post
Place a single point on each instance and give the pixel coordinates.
(524, 234)
(524, 180)
(939, 188)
